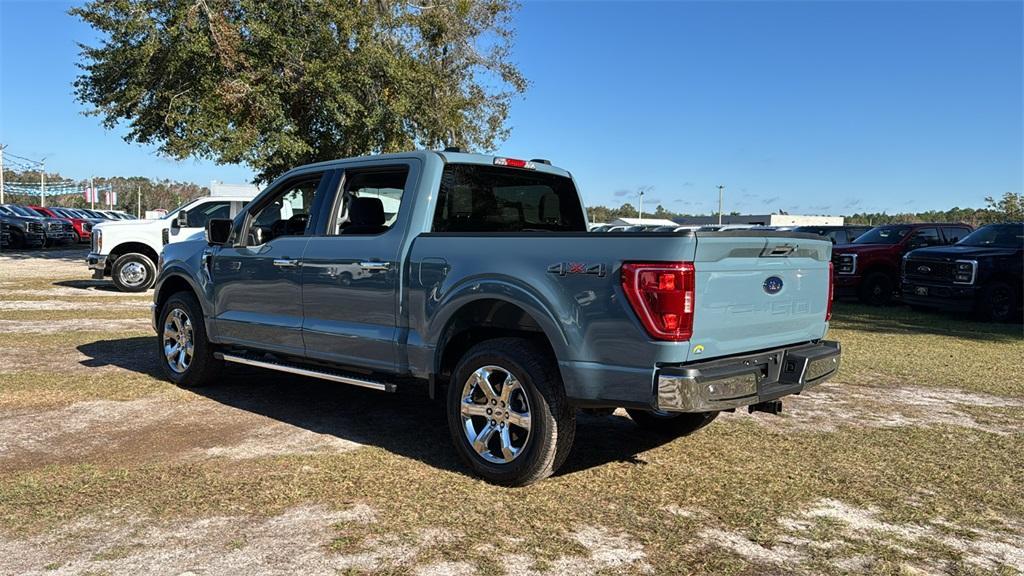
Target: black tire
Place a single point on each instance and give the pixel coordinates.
(999, 302)
(672, 424)
(552, 420)
(77, 239)
(17, 240)
(876, 289)
(133, 272)
(202, 368)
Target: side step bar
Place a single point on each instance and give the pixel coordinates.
(301, 371)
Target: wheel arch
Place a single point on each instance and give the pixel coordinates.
(134, 247)
(172, 283)
(476, 319)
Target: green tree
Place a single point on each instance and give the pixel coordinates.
(277, 83)
(1009, 208)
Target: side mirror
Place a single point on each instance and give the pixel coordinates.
(182, 220)
(217, 231)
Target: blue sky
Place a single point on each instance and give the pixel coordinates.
(820, 107)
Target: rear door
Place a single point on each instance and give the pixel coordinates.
(755, 292)
(954, 234)
(351, 270)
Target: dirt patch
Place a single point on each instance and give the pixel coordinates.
(852, 526)
(827, 407)
(62, 326)
(83, 288)
(291, 543)
(151, 429)
(68, 305)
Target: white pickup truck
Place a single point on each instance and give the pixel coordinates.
(127, 250)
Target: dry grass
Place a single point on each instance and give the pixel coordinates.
(909, 462)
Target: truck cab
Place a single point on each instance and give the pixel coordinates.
(869, 267)
(127, 251)
(475, 277)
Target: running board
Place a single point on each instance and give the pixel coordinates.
(312, 373)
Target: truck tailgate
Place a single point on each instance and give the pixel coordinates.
(755, 291)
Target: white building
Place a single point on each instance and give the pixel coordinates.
(642, 222)
(218, 188)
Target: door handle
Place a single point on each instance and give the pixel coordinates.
(374, 265)
(286, 263)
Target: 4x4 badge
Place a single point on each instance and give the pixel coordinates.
(563, 268)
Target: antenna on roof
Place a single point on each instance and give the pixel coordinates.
(453, 149)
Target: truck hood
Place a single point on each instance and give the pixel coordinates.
(862, 248)
(124, 225)
(959, 252)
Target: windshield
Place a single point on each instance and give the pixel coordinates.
(21, 211)
(996, 235)
(883, 235)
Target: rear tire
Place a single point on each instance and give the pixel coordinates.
(133, 272)
(507, 412)
(180, 327)
(876, 289)
(673, 424)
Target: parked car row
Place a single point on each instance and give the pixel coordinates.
(39, 226)
(927, 265)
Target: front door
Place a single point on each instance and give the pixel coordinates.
(351, 273)
(257, 279)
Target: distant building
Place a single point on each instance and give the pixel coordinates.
(218, 188)
(641, 222)
(762, 220)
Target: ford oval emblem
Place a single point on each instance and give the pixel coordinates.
(773, 285)
(924, 269)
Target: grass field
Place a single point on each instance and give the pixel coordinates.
(910, 462)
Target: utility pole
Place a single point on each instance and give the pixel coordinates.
(641, 209)
(92, 194)
(42, 182)
(138, 205)
(2, 146)
(720, 189)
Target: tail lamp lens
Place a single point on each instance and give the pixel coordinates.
(662, 296)
(831, 293)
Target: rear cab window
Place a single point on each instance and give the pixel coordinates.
(482, 198)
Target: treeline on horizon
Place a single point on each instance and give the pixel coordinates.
(156, 194)
(1009, 208)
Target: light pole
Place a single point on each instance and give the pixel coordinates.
(720, 189)
(640, 211)
(2, 146)
(42, 182)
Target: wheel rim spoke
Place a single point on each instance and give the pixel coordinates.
(483, 439)
(470, 408)
(519, 419)
(506, 444)
(484, 385)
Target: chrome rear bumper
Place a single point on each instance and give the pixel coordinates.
(728, 383)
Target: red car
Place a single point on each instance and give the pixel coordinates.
(83, 228)
(869, 267)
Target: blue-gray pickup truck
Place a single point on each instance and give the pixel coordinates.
(475, 277)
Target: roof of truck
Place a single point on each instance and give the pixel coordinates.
(536, 164)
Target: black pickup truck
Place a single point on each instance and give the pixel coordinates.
(981, 273)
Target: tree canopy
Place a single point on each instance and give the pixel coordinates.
(278, 83)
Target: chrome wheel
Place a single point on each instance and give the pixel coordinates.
(177, 340)
(133, 274)
(495, 414)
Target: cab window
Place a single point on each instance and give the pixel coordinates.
(925, 237)
(200, 215)
(369, 201)
(284, 212)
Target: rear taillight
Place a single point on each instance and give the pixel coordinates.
(662, 295)
(831, 291)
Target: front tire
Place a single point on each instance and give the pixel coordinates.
(876, 289)
(674, 424)
(507, 412)
(998, 302)
(133, 272)
(185, 353)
